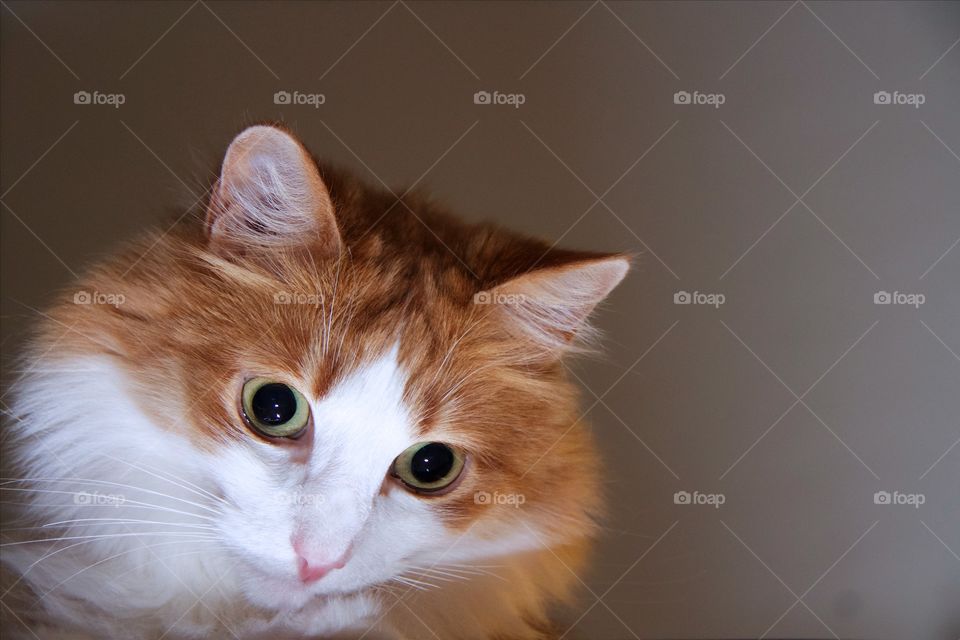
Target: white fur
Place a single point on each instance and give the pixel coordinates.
(224, 522)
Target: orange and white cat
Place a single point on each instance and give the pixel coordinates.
(318, 412)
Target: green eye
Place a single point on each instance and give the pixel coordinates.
(428, 467)
(274, 408)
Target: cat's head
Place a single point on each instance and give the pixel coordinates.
(344, 385)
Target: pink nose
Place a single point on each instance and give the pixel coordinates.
(311, 570)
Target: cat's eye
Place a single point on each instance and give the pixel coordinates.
(275, 409)
(428, 467)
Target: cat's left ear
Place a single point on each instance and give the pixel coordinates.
(550, 306)
(270, 196)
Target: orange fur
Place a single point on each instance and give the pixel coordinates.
(199, 317)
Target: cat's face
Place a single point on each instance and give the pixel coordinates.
(323, 513)
(341, 506)
(346, 392)
(352, 448)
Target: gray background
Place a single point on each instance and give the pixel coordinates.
(797, 399)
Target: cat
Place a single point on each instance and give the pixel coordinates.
(314, 410)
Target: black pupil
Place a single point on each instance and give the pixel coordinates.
(432, 462)
(274, 404)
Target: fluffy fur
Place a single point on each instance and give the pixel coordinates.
(148, 508)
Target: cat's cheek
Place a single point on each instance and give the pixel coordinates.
(255, 521)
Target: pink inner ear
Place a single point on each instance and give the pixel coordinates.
(270, 195)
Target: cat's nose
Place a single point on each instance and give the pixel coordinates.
(310, 568)
(313, 572)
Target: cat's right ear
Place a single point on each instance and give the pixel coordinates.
(549, 306)
(270, 196)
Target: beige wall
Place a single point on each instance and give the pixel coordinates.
(695, 398)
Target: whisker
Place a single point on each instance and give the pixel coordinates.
(477, 572)
(459, 574)
(193, 525)
(111, 484)
(106, 536)
(99, 562)
(462, 571)
(112, 521)
(125, 503)
(52, 370)
(474, 566)
(429, 576)
(405, 576)
(415, 584)
(67, 548)
(189, 485)
(41, 559)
